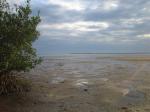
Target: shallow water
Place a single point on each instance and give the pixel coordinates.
(122, 82)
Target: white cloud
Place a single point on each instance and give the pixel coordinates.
(82, 26)
(125, 23)
(81, 5)
(144, 36)
(131, 21)
(110, 5)
(104, 5)
(70, 5)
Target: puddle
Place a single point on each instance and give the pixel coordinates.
(131, 97)
(130, 94)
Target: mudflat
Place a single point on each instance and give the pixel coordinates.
(86, 83)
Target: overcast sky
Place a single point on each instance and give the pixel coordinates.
(93, 26)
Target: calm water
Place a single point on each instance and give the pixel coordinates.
(88, 65)
(125, 80)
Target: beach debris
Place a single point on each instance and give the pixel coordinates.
(83, 84)
(58, 80)
(125, 92)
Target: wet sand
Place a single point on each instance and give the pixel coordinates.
(86, 83)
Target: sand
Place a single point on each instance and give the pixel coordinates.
(86, 83)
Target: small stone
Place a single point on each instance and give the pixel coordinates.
(64, 109)
(124, 108)
(86, 90)
(34, 103)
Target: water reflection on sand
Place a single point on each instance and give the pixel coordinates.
(117, 80)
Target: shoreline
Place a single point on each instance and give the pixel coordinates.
(86, 83)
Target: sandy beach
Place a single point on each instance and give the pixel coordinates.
(86, 83)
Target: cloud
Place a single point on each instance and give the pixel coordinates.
(109, 22)
(68, 4)
(77, 26)
(144, 36)
(80, 5)
(109, 5)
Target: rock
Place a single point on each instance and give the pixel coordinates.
(35, 103)
(124, 108)
(58, 80)
(85, 89)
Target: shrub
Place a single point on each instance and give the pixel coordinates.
(18, 30)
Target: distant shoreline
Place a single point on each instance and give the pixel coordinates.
(66, 54)
(112, 53)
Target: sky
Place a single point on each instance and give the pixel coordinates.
(90, 26)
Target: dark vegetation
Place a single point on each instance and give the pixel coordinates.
(18, 30)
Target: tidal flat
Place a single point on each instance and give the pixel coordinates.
(86, 83)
